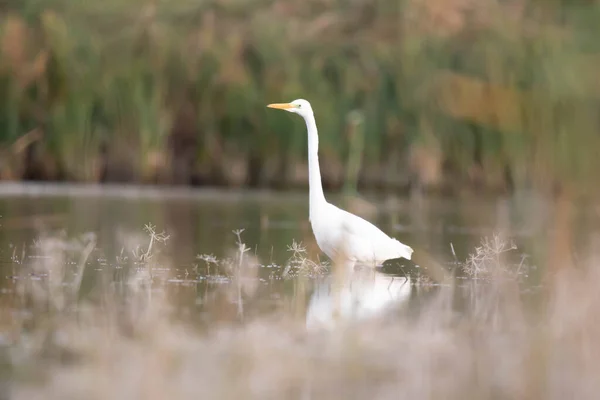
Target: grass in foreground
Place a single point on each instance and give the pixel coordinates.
(125, 343)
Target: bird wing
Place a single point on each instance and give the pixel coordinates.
(368, 243)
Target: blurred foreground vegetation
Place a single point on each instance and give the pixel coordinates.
(437, 94)
(139, 326)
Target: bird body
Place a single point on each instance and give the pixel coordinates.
(342, 236)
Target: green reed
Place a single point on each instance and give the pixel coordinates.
(119, 76)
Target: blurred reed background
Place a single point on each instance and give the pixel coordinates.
(438, 95)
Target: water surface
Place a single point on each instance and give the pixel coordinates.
(200, 224)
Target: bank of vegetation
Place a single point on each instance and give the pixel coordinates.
(417, 93)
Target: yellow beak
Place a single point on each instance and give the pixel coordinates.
(281, 106)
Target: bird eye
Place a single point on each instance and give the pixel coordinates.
(299, 105)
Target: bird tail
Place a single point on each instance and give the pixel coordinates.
(402, 250)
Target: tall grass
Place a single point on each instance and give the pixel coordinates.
(175, 91)
(482, 338)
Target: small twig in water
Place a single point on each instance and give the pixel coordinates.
(242, 249)
(208, 259)
(453, 252)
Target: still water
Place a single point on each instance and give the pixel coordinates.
(200, 224)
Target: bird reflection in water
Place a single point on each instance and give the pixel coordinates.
(368, 293)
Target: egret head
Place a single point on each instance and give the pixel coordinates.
(299, 106)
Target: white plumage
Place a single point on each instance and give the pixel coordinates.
(342, 236)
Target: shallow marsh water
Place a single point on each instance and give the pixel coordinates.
(203, 223)
(96, 240)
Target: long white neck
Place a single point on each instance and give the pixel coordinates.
(315, 187)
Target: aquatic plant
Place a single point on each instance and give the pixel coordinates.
(128, 333)
(486, 93)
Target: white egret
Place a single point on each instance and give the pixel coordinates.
(342, 236)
